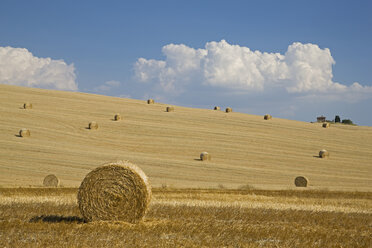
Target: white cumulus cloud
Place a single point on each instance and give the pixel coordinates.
(106, 86)
(18, 66)
(303, 68)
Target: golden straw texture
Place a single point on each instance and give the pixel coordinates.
(51, 181)
(117, 191)
(301, 181)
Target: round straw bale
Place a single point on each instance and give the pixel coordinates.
(326, 124)
(93, 125)
(323, 154)
(170, 109)
(27, 105)
(228, 110)
(205, 156)
(217, 108)
(24, 132)
(117, 191)
(51, 181)
(117, 117)
(301, 181)
(150, 101)
(268, 117)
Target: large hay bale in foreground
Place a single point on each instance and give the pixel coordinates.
(267, 117)
(217, 108)
(323, 154)
(117, 191)
(205, 156)
(301, 181)
(170, 109)
(117, 117)
(228, 110)
(93, 125)
(27, 105)
(51, 181)
(326, 125)
(150, 101)
(24, 132)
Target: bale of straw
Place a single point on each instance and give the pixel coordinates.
(27, 105)
(170, 109)
(217, 108)
(51, 181)
(150, 101)
(267, 117)
(24, 132)
(323, 154)
(117, 117)
(301, 181)
(326, 124)
(228, 110)
(117, 191)
(205, 156)
(93, 125)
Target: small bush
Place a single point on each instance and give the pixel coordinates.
(347, 121)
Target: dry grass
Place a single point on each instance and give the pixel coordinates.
(246, 149)
(192, 218)
(117, 191)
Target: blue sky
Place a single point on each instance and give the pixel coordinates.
(95, 46)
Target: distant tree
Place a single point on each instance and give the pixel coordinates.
(337, 119)
(347, 121)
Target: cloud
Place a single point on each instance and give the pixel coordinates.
(106, 86)
(18, 66)
(304, 69)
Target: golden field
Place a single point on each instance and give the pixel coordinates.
(245, 149)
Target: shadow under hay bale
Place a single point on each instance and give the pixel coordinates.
(117, 191)
(170, 109)
(24, 132)
(56, 219)
(326, 125)
(217, 108)
(117, 117)
(323, 154)
(51, 181)
(228, 110)
(205, 156)
(27, 105)
(150, 101)
(93, 125)
(301, 181)
(267, 117)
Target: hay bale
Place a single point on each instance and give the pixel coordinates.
(51, 181)
(150, 101)
(326, 124)
(24, 132)
(27, 105)
(93, 125)
(170, 109)
(323, 154)
(267, 117)
(117, 191)
(205, 156)
(217, 108)
(117, 117)
(301, 181)
(228, 110)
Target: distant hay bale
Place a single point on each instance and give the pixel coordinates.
(217, 108)
(93, 125)
(268, 117)
(51, 181)
(27, 105)
(24, 132)
(301, 181)
(323, 154)
(117, 191)
(170, 109)
(228, 110)
(117, 117)
(205, 156)
(150, 101)
(326, 124)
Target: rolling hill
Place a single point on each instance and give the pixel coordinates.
(246, 150)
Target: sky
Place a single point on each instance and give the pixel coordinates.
(291, 59)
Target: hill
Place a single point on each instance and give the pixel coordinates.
(245, 149)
